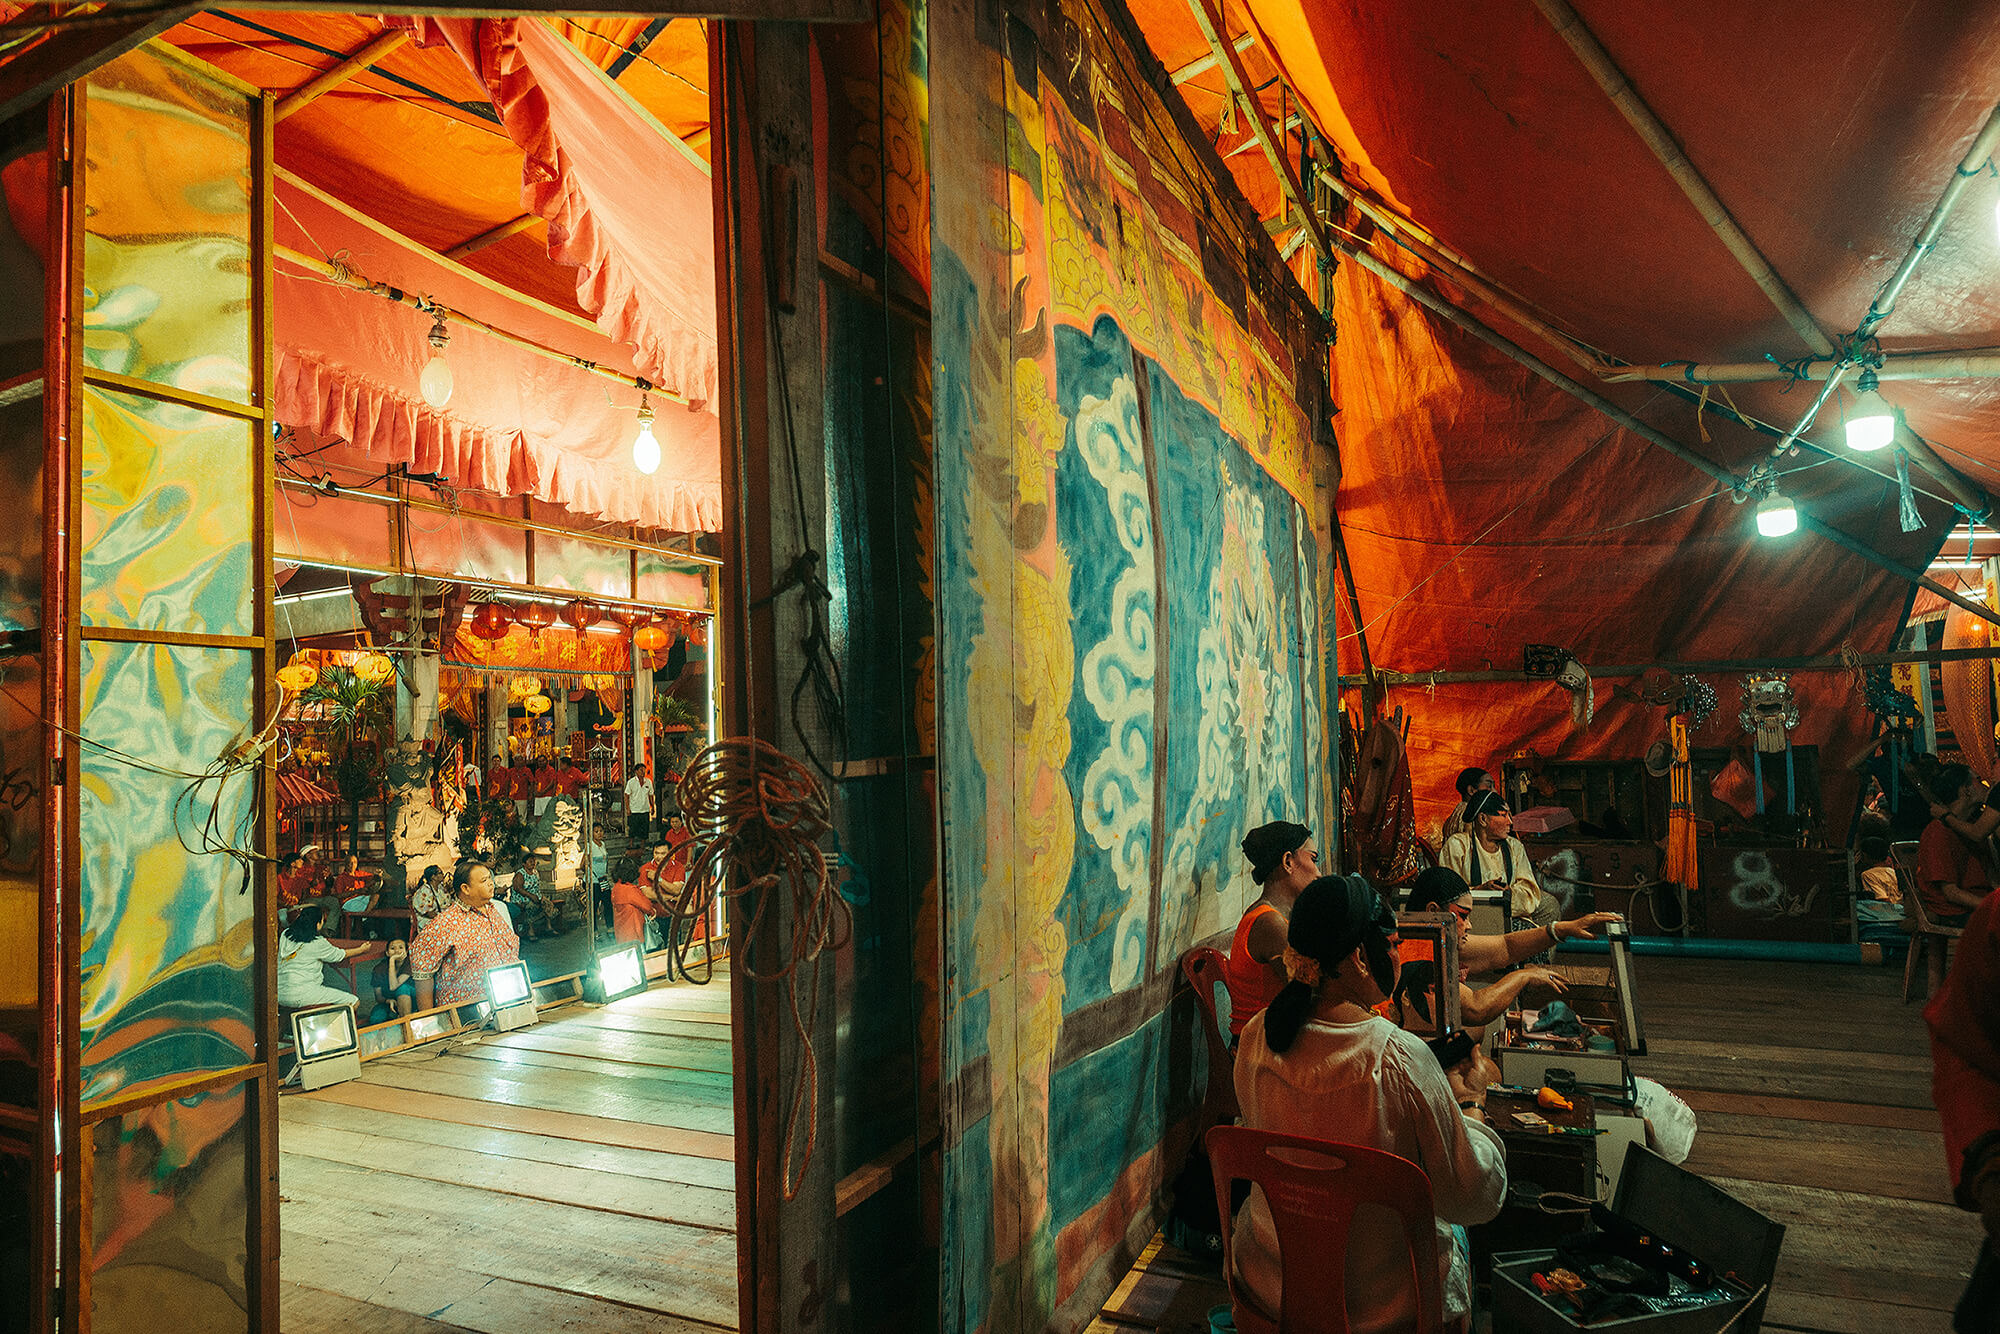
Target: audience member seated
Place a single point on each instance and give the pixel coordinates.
(1439, 889)
(303, 954)
(1951, 878)
(1282, 859)
(1318, 1062)
(472, 933)
(1470, 782)
(1488, 856)
(298, 880)
(394, 990)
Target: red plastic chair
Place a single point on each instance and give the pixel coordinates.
(1203, 968)
(1312, 1187)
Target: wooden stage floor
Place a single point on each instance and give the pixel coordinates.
(1812, 1085)
(575, 1175)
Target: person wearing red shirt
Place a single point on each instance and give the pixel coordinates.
(571, 780)
(1951, 880)
(1964, 1019)
(634, 898)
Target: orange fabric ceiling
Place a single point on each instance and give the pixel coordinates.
(1478, 515)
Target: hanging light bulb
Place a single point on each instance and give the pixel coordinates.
(1776, 516)
(1874, 424)
(436, 379)
(645, 449)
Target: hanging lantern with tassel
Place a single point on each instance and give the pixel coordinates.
(374, 668)
(537, 704)
(298, 676)
(537, 617)
(581, 614)
(631, 617)
(491, 620)
(649, 639)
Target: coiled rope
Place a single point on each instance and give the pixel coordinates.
(757, 816)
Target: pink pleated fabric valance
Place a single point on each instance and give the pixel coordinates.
(517, 422)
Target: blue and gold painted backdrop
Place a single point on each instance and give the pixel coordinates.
(1130, 638)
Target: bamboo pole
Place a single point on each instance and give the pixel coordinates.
(1201, 65)
(493, 236)
(1213, 28)
(350, 66)
(1571, 28)
(1453, 315)
(1971, 363)
(1627, 671)
(1983, 145)
(347, 278)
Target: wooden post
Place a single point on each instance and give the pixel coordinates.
(773, 477)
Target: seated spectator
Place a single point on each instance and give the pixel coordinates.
(393, 984)
(1439, 889)
(1318, 1062)
(1878, 874)
(1282, 859)
(1951, 879)
(450, 957)
(297, 881)
(529, 901)
(303, 954)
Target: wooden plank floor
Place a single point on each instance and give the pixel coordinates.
(1812, 1086)
(575, 1175)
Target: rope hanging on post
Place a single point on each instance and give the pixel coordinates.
(757, 816)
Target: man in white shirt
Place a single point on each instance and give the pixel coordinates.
(638, 806)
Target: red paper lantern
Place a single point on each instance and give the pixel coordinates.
(537, 617)
(649, 638)
(631, 617)
(491, 620)
(581, 614)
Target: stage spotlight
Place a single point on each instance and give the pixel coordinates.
(622, 972)
(513, 996)
(327, 1046)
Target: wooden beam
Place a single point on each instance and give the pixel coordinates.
(1625, 671)
(1660, 140)
(493, 236)
(53, 53)
(356, 62)
(1292, 122)
(1244, 91)
(1201, 65)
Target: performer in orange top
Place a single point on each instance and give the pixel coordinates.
(1282, 860)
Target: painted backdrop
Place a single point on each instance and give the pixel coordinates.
(1130, 636)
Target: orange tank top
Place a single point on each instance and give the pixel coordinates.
(1251, 985)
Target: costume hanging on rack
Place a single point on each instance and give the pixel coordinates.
(1681, 861)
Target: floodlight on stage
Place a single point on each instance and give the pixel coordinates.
(1873, 426)
(622, 972)
(513, 996)
(327, 1046)
(1777, 516)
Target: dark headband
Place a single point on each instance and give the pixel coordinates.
(1487, 802)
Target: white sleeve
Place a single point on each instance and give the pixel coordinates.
(1465, 1160)
(1455, 854)
(325, 950)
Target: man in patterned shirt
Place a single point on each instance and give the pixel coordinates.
(449, 957)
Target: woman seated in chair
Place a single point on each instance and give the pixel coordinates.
(1951, 878)
(1319, 1062)
(1283, 861)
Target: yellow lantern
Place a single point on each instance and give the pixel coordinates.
(374, 668)
(520, 687)
(537, 703)
(297, 677)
